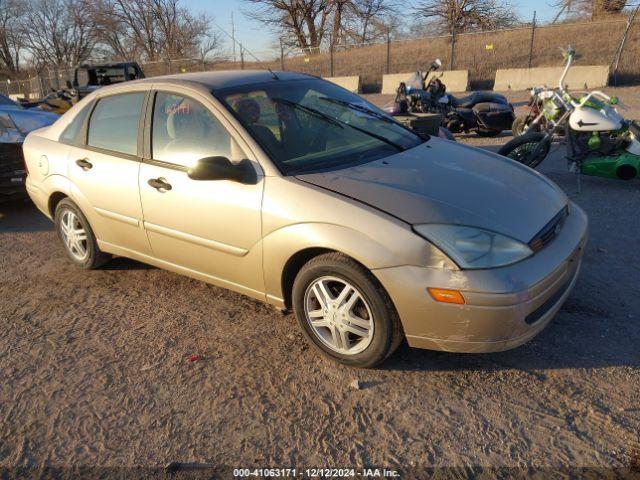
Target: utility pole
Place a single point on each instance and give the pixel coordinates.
(233, 37)
(241, 57)
(533, 34)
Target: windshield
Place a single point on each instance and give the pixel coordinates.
(308, 125)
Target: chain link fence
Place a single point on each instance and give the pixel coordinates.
(597, 43)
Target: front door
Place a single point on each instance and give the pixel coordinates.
(104, 172)
(212, 228)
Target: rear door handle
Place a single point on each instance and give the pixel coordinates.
(159, 184)
(84, 163)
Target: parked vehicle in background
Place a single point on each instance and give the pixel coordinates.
(88, 78)
(297, 192)
(599, 140)
(486, 113)
(539, 109)
(15, 123)
(57, 101)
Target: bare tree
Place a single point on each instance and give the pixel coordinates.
(151, 29)
(57, 32)
(448, 16)
(369, 19)
(11, 35)
(303, 23)
(592, 8)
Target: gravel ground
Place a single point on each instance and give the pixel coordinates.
(95, 369)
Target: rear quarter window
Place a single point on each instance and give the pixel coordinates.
(71, 133)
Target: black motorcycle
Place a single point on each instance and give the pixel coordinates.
(487, 113)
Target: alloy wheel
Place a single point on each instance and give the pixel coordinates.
(339, 315)
(74, 235)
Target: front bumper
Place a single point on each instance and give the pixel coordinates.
(505, 307)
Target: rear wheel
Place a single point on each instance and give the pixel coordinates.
(489, 133)
(344, 311)
(77, 237)
(522, 149)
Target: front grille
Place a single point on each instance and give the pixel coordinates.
(539, 312)
(549, 231)
(11, 158)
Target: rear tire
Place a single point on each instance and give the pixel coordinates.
(521, 148)
(77, 238)
(489, 133)
(519, 125)
(360, 332)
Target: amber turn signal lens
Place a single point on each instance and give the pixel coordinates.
(446, 296)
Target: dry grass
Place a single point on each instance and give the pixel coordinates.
(596, 43)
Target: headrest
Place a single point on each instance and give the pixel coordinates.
(180, 119)
(248, 109)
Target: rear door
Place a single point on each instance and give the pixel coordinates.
(104, 171)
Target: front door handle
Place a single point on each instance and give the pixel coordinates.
(84, 163)
(159, 184)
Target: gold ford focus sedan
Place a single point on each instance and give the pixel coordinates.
(296, 192)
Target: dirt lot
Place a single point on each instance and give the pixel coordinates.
(95, 371)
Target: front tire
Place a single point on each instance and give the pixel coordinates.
(521, 149)
(77, 237)
(344, 311)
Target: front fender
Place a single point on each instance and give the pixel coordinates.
(282, 244)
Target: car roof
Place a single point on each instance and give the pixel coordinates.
(226, 78)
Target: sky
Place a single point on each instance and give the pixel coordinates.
(259, 40)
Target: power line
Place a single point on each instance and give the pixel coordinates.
(234, 42)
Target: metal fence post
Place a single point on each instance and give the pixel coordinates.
(453, 47)
(618, 55)
(331, 46)
(533, 34)
(388, 51)
(281, 55)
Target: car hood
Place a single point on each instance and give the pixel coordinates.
(445, 182)
(30, 119)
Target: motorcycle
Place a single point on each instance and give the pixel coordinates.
(599, 141)
(486, 113)
(537, 105)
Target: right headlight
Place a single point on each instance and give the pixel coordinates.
(472, 247)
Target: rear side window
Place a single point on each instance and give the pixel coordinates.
(71, 133)
(114, 123)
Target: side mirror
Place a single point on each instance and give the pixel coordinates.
(221, 168)
(437, 63)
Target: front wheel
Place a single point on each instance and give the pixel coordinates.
(344, 311)
(529, 149)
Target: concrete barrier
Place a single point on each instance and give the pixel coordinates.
(350, 83)
(455, 80)
(578, 78)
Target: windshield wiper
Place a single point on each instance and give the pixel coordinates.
(339, 123)
(359, 108)
(373, 113)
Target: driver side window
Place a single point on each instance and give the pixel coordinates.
(184, 131)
